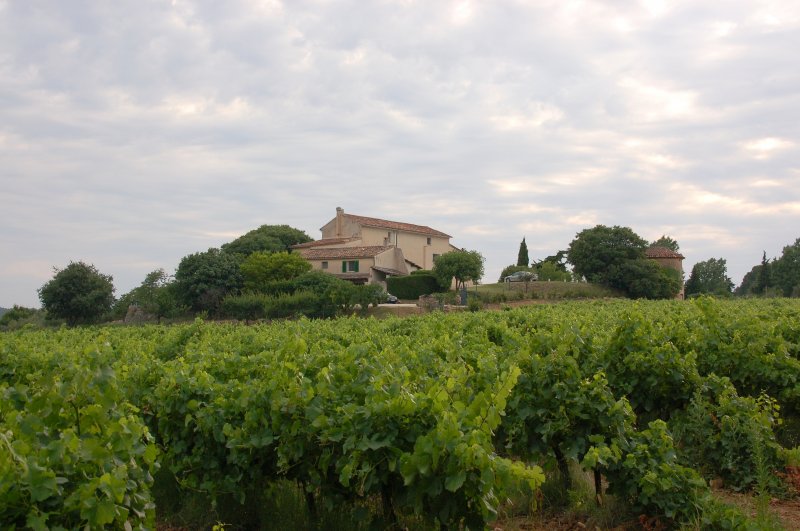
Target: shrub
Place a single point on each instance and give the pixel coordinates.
(18, 316)
(414, 285)
(294, 305)
(247, 306)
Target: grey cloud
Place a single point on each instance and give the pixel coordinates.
(132, 134)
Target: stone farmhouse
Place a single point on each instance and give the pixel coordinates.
(666, 257)
(366, 250)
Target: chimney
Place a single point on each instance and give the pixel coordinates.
(339, 221)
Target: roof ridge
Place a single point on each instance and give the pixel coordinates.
(401, 225)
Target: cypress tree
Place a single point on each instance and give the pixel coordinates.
(522, 257)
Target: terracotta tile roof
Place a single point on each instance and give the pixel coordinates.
(662, 252)
(343, 252)
(322, 242)
(396, 225)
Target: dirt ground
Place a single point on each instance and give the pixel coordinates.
(786, 511)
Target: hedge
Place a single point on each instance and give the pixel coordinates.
(413, 286)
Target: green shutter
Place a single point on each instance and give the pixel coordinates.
(356, 267)
(344, 266)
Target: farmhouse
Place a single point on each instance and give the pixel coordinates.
(367, 250)
(666, 257)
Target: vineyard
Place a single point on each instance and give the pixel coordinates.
(438, 420)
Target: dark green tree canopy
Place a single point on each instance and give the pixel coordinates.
(748, 284)
(598, 253)
(559, 260)
(79, 294)
(668, 242)
(709, 276)
(203, 279)
(522, 256)
(763, 280)
(787, 270)
(266, 238)
(464, 266)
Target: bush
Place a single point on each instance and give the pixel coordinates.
(19, 316)
(314, 281)
(247, 306)
(295, 305)
(414, 285)
(251, 306)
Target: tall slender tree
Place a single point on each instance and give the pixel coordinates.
(522, 257)
(764, 274)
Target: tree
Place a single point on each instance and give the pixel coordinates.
(156, 296)
(599, 253)
(461, 265)
(709, 276)
(747, 287)
(646, 279)
(522, 256)
(79, 293)
(559, 260)
(261, 268)
(267, 238)
(202, 280)
(668, 242)
(787, 270)
(764, 278)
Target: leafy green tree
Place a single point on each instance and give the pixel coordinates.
(522, 256)
(668, 242)
(203, 279)
(709, 276)
(79, 294)
(599, 253)
(645, 279)
(261, 268)
(787, 270)
(156, 296)
(748, 282)
(464, 266)
(266, 238)
(559, 260)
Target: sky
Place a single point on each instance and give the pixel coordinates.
(136, 132)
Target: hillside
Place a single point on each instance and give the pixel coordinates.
(3, 310)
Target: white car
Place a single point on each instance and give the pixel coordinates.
(521, 276)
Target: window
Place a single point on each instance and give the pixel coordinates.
(324, 265)
(349, 266)
(429, 241)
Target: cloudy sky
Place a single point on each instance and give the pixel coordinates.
(133, 133)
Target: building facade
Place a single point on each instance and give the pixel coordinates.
(367, 250)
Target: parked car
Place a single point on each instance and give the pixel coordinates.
(521, 276)
(391, 299)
